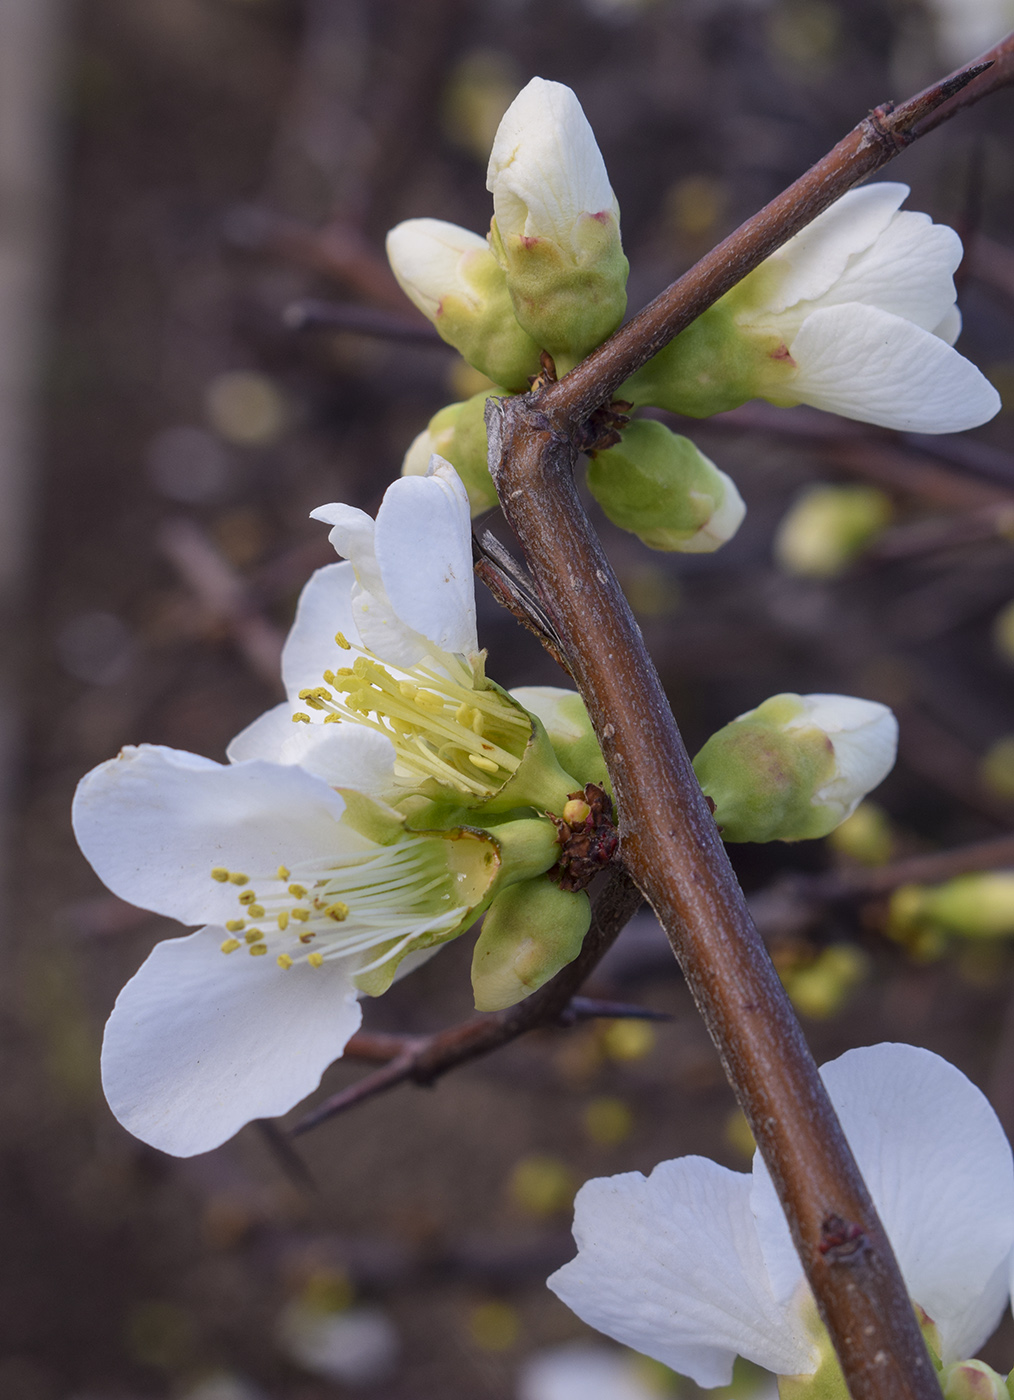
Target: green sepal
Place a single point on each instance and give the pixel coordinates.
(657, 484)
(489, 338)
(762, 779)
(565, 718)
(540, 781)
(568, 301)
(530, 932)
(827, 1381)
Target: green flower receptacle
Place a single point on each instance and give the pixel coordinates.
(530, 932)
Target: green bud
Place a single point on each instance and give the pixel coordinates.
(865, 837)
(822, 988)
(531, 930)
(828, 527)
(972, 1380)
(455, 280)
(570, 730)
(458, 434)
(796, 766)
(662, 488)
(979, 905)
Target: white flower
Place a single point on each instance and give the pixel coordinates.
(402, 611)
(694, 1264)
(861, 305)
(583, 1371)
(546, 171)
(304, 906)
(966, 28)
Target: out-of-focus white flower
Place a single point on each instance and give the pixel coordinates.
(357, 1347)
(694, 1264)
(583, 1371)
(454, 280)
(856, 315)
(966, 28)
(796, 766)
(556, 225)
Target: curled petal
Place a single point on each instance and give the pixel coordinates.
(425, 256)
(671, 1265)
(200, 1043)
(867, 364)
(344, 755)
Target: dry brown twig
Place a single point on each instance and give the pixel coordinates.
(671, 846)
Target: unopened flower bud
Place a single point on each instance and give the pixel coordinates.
(662, 488)
(978, 905)
(458, 434)
(828, 527)
(796, 766)
(531, 930)
(972, 1380)
(570, 730)
(455, 280)
(556, 227)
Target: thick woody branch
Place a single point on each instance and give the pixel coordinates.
(876, 140)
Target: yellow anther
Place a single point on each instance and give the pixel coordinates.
(220, 874)
(284, 961)
(316, 959)
(408, 690)
(307, 937)
(297, 891)
(322, 693)
(332, 719)
(344, 672)
(300, 718)
(248, 897)
(306, 692)
(254, 935)
(329, 677)
(478, 723)
(235, 925)
(429, 700)
(283, 920)
(337, 911)
(301, 914)
(486, 764)
(230, 945)
(258, 949)
(256, 911)
(283, 872)
(236, 877)
(343, 641)
(463, 714)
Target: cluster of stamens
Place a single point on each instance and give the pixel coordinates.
(390, 898)
(442, 726)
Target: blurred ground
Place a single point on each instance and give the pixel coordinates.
(221, 158)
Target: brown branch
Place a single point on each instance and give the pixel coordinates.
(311, 314)
(876, 140)
(424, 1059)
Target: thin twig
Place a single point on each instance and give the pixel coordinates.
(513, 590)
(313, 315)
(424, 1059)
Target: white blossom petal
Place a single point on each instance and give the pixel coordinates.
(865, 363)
(583, 1371)
(154, 821)
(344, 755)
(545, 168)
(425, 256)
(324, 608)
(938, 1167)
(816, 257)
(200, 1043)
(950, 326)
(423, 547)
(671, 1265)
(864, 734)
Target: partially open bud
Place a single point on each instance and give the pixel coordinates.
(458, 434)
(662, 488)
(828, 527)
(796, 766)
(556, 226)
(531, 930)
(972, 1380)
(455, 280)
(570, 730)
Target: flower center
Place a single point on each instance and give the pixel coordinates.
(443, 727)
(381, 901)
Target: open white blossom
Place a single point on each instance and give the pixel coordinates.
(862, 303)
(387, 641)
(694, 1264)
(306, 892)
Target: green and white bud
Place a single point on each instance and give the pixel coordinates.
(556, 223)
(531, 930)
(570, 730)
(828, 527)
(972, 1380)
(796, 766)
(458, 434)
(663, 489)
(454, 279)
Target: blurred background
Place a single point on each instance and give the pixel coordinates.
(174, 176)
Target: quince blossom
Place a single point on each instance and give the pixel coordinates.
(694, 1264)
